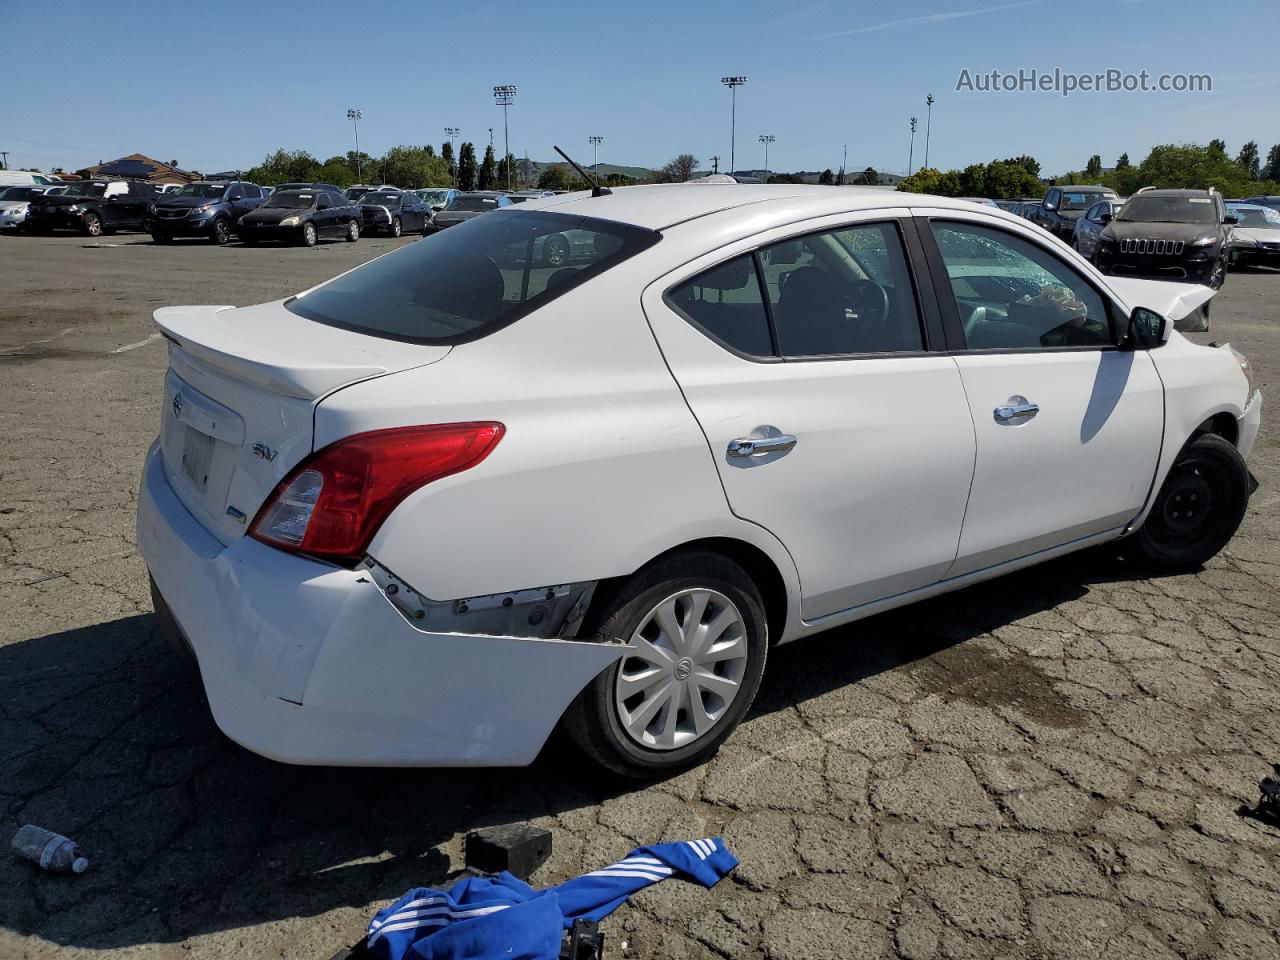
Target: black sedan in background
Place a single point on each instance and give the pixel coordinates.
(394, 213)
(467, 205)
(302, 216)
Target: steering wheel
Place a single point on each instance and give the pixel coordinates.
(871, 303)
(975, 320)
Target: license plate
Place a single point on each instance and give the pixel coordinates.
(197, 456)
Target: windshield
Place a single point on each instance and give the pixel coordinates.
(354, 193)
(20, 193)
(433, 196)
(475, 279)
(473, 203)
(1168, 210)
(381, 199)
(292, 199)
(1081, 201)
(86, 190)
(1263, 217)
(210, 190)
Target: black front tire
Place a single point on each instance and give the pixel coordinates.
(308, 236)
(592, 720)
(220, 232)
(353, 230)
(1199, 506)
(397, 227)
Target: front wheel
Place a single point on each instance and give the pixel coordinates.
(1199, 507)
(698, 629)
(397, 227)
(353, 231)
(309, 235)
(92, 225)
(221, 232)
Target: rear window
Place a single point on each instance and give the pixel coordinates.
(476, 278)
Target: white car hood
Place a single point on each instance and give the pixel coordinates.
(1256, 234)
(1181, 303)
(13, 205)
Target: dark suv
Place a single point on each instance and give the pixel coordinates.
(93, 207)
(1182, 235)
(1063, 206)
(209, 209)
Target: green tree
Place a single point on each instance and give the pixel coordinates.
(507, 172)
(1272, 171)
(488, 170)
(336, 170)
(1248, 161)
(868, 178)
(284, 166)
(1005, 181)
(924, 180)
(784, 178)
(446, 154)
(1123, 162)
(1029, 163)
(410, 167)
(679, 168)
(826, 178)
(467, 167)
(560, 176)
(1218, 148)
(1094, 167)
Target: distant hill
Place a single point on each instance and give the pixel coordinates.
(639, 173)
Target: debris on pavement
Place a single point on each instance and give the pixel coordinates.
(518, 849)
(52, 851)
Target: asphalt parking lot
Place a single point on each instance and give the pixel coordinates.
(1050, 765)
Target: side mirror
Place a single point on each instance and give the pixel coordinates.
(1051, 206)
(1106, 217)
(1147, 329)
(1230, 218)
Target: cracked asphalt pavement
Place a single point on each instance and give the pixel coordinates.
(1052, 765)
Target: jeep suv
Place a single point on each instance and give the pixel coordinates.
(93, 207)
(1063, 206)
(209, 209)
(1182, 235)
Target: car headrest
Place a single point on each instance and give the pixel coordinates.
(733, 275)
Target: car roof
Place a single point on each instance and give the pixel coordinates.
(1246, 206)
(1176, 192)
(661, 206)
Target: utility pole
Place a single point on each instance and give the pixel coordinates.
(595, 143)
(928, 126)
(504, 94)
(355, 116)
(766, 139)
(491, 136)
(733, 83)
(452, 133)
(911, 152)
(844, 163)
(715, 164)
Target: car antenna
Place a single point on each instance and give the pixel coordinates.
(596, 189)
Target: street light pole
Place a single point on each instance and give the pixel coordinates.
(912, 151)
(766, 139)
(451, 133)
(733, 83)
(355, 116)
(595, 142)
(928, 126)
(504, 94)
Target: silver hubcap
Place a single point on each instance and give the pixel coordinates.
(685, 671)
(353, 230)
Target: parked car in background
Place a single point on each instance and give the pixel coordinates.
(1180, 235)
(981, 201)
(375, 555)
(1091, 224)
(326, 187)
(163, 188)
(209, 209)
(94, 207)
(1265, 201)
(356, 191)
(393, 213)
(303, 217)
(15, 205)
(1255, 239)
(1063, 206)
(1009, 206)
(21, 178)
(464, 206)
(520, 196)
(437, 198)
(1027, 209)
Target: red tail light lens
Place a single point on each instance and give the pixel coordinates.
(333, 502)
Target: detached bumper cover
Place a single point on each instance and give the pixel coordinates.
(306, 663)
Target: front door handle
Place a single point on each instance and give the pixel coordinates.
(1017, 410)
(760, 446)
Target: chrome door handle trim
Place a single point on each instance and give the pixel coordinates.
(1015, 413)
(760, 446)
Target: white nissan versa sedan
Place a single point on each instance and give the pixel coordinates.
(424, 512)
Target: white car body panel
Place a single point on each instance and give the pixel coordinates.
(617, 414)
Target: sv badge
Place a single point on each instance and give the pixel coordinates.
(263, 452)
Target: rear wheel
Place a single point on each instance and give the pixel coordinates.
(397, 227)
(1199, 507)
(556, 250)
(309, 235)
(353, 231)
(697, 624)
(92, 225)
(221, 232)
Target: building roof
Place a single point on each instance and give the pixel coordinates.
(141, 167)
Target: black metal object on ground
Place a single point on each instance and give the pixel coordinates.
(517, 848)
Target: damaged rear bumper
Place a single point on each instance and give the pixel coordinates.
(308, 663)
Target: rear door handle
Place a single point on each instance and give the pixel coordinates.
(1017, 410)
(760, 446)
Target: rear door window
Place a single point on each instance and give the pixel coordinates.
(477, 278)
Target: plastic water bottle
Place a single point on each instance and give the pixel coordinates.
(52, 851)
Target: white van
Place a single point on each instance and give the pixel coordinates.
(20, 178)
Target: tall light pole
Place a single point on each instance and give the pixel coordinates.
(766, 139)
(928, 126)
(912, 151)
(355, 116)
(733, 83)
(452, 133)
(715, 164)
(504, 94)
(595, 143)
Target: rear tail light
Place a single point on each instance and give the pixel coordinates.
(333, 502)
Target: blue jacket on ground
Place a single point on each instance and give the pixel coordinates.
(503, 918)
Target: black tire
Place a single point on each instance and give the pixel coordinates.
(171, 632)
(93, 225)
(592, 720)
(353, 230)
(308, 236)
(220, 232)
(1199, 506)
(397, 227)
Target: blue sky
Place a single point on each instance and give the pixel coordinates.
(220, 87)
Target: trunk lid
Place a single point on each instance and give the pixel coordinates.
(240, 396)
